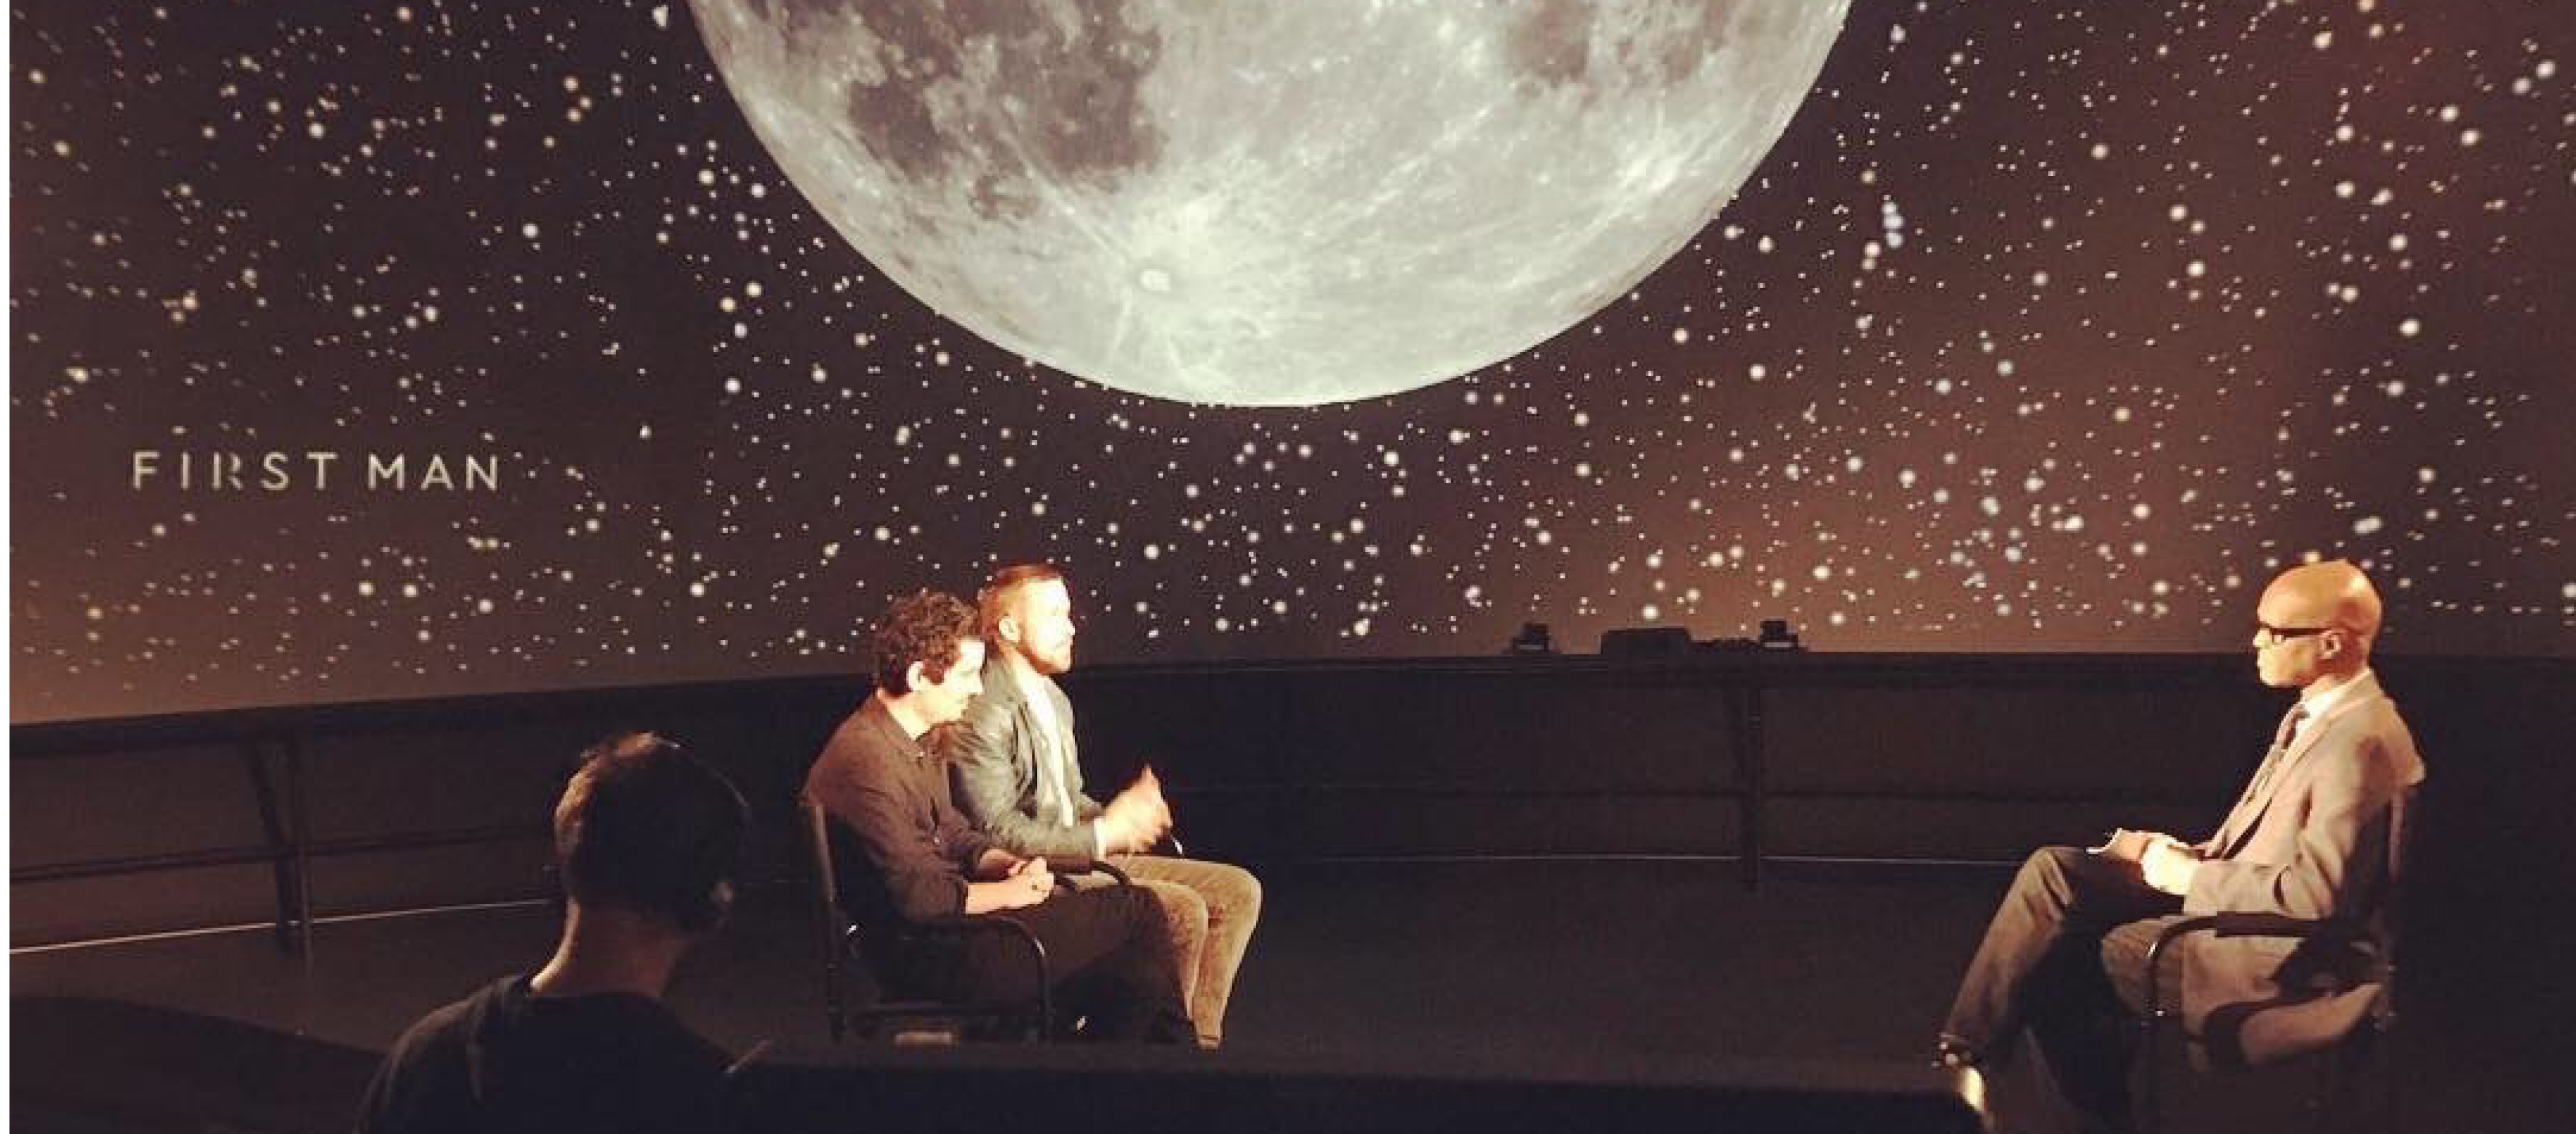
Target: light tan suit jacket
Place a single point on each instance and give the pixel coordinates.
(2314, 840)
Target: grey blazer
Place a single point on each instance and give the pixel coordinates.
(993, 756)
(2312, 843)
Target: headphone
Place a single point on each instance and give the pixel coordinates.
(657, 829)
(708, 910)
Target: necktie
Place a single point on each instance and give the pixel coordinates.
(2280, 747)
(2230, 834)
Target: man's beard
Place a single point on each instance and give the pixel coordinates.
(1049, 666)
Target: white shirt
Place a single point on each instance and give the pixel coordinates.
(1055, 782)
(2314, 709)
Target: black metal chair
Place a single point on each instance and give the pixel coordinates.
(2359, 1058)
(916, 1020)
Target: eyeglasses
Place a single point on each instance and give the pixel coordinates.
(2267, 635)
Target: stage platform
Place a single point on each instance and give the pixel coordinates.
(1469, 971)
(1715, 867)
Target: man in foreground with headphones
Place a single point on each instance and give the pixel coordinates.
(647, 840)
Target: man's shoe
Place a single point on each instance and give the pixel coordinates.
(1952, 1053)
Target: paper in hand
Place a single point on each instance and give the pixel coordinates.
(2126, 845)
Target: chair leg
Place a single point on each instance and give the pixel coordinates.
(2387, 1077)
(834, 1015)
(2149, 1105)
(2345, 1078)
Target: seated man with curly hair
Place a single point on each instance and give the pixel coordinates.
(1107, 955)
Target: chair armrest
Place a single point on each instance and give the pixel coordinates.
(2274, 925)
(2156, 955)
(1068, 867)
(1028, 939)
(2243, 924)
(965, 926)
(1101, 866)
(2205, 923)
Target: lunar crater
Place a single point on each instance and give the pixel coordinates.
(1268, 204)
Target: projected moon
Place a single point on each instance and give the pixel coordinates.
(1268, 204)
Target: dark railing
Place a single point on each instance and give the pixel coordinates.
(1281, 705)
(273, 741)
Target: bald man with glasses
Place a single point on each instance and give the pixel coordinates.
(2065, 957)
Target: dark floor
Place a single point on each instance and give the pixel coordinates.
(1399, 966)
(1385, 959)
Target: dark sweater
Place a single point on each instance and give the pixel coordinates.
(504, 1059)
(893, 796)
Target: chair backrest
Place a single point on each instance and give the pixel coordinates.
(818, 848)
(845, 957)
(832, 921)
(2388, 921)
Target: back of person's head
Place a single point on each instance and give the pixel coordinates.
(1004, 585)
(648, 827)
(926, 627)
(2357, 607)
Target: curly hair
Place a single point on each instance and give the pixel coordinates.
(927, 627)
